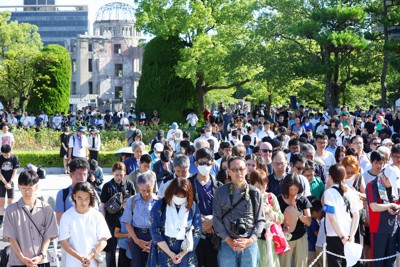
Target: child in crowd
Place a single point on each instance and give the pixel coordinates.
(313, 231)
(121, 233)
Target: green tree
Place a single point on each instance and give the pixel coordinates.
(218, 38)
(331, 46)
(19, 47)
(160, 88)
(52, 89)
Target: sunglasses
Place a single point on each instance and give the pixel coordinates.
(204, 163)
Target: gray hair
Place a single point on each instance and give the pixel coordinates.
(181, 161)
(145, 178)
(202, 143)
(137, 144)
(385, 150)
(307, 148)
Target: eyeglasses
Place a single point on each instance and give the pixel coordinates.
(204, 163)
(237, 169)
(376, 144)
(266, 150)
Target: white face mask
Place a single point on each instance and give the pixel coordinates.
(208, 134)
(179, 201)
(204, 170)
(157, 155)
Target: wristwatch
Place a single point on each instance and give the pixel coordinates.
(43, 255)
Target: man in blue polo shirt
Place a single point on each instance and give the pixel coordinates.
(383, 200)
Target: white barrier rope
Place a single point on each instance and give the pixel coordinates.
(365, 260)
(316, 259)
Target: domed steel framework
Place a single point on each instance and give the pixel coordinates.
(116, 11)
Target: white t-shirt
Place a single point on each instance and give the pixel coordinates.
(321, 128)
(328, 159)
(25, 121)
(6, 138)
(57, 122)
(264, 133)
(192, 119)
(83, 232)
(78, 150)
(334, 202)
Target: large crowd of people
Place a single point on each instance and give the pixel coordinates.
(252, 189)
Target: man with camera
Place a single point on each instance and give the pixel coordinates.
(238, 218)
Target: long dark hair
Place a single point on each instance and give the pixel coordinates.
(288, 181)
(338, 174)
(85, 187)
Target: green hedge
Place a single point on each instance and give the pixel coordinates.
(52, 158)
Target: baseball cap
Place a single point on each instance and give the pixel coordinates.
(80, 129)
(393, 174)
(387, 141)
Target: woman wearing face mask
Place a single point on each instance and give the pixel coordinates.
(175, 227)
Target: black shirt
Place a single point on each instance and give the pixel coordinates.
(110, 189)
(7, 166)
(302, 203)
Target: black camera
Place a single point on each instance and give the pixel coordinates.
(239, 226)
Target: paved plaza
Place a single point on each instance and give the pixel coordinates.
(48, 188)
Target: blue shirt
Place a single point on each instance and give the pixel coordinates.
(193, 169)
(205, 196)
(140, 216)
(123, 242)
(131, 165)
(60, 207)
(312, 238)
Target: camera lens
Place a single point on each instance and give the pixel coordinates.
(241, 229)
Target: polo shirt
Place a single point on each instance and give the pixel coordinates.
(380, 222)
(317, 187)
(18, 226)
(275, 185)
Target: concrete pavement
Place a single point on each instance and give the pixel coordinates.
(48, 188)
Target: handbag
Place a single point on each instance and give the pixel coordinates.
(114, 204)
(281, 244)
(278, 236)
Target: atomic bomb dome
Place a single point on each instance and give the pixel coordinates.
(116, 11)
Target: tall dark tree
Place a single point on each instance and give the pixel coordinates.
(160, 88)
(52, 90)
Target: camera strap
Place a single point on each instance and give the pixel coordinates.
(245, 196)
